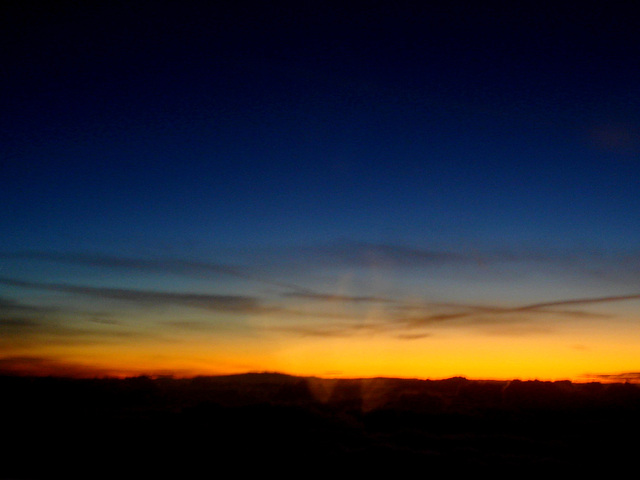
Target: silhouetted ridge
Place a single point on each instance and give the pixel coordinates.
(260, 420)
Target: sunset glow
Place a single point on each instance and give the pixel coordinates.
(337, 192)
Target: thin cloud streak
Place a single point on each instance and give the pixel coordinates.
(21, 332)
(580, 301)
(345, 254)
(10, 306)
(239, 304)
(18, 322)
(229, 303)
(538, 308)
(476, 314)
(365, 254)
(189, 268)
(332, 330)
(329, 297)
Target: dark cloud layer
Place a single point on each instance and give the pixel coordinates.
(39, 365)
(630, 377)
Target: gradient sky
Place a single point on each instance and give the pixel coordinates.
(319, 188)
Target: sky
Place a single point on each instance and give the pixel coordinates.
(338, 189)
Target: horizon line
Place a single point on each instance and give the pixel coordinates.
(617, 378)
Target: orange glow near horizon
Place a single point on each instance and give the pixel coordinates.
(467, 357)
(447, 353)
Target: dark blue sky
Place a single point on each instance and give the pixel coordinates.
(384, 121)
(259, 133)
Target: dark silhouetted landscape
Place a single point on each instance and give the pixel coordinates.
(267, 423)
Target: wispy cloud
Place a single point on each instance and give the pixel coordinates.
(19, 316)
(619, 138)
(476, 314)
(516, 320)
(188, 325)
(9, 306)
(238, 304)
(330, 297)
(54, 330)
(229, 303)
(618, 267)
(301, 260)
(177, 266)
(18, 322)
(376, 255)
(579, 301)
(480, 313)
(330, 330)
(163, 266)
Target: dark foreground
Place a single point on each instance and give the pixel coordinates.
(265, 424)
